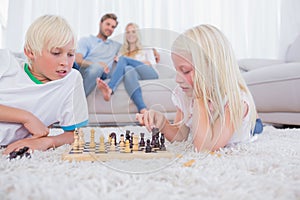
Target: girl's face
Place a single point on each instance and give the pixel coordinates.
(54, 64)
(131, 34)
(185, 73)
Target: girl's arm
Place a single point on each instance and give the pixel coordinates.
(206, 136)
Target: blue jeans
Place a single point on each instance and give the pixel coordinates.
(131, 71)
(89, 75)
(258, 129)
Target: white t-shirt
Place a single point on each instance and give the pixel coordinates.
(184, 103)
(61, 101)
(146, 54)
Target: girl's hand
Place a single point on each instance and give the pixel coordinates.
(152, 119)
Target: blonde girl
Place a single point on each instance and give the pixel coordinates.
(213, 101)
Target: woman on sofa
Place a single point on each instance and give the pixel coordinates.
(134, 63)
(213, 101)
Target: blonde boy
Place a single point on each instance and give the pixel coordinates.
(44, 91)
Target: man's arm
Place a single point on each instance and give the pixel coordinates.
(81, 62)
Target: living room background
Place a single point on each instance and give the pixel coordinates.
(261, 29)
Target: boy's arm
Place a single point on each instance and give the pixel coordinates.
(42, 143)
(20, 116)
(14, 115)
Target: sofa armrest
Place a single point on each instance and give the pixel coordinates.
(254, 63)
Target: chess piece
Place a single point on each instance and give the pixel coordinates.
(75, 145)
(122, 143)
(113, 135)
(135, 143)
(148, 148)
(131, 140)
(127, 147)
(92, 140)
(155, 132)
(162, 142)
(101, 144)
(156, 143)
(81, 139)
(142, 141)
(112, 146)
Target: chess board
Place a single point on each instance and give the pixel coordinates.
(99, 151)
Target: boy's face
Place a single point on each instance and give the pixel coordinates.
(185, 73)
(53, 65)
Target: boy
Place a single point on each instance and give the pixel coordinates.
(45, 90)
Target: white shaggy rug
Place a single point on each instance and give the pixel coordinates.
(268, 168)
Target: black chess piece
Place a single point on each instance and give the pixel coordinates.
(13, 155)
(131, 140)
(156, 143)
(127, 135)
(162, 142)
(155, 132)
(20, 153)
(142, 140)
(113, 135)
(148, 148)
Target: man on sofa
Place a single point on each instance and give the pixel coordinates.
(95, 54)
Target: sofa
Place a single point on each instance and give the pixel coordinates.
(121, 110)
(274, 86)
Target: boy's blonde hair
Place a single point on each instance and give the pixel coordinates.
(125, 47)
(217, 78)
(48, 31)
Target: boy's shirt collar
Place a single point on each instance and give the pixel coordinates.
(26, 69)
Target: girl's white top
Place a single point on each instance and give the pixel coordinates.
(185, 104)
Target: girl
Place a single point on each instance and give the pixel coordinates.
(213, 101)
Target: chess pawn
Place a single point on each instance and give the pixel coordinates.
(127, 147)
(142, 141)
(148, 148)
(135, 143)
(76, 141)
(122, 143)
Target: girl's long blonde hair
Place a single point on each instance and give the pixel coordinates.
(217, 78)
(124, 50)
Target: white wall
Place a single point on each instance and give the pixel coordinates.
(256, 28)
